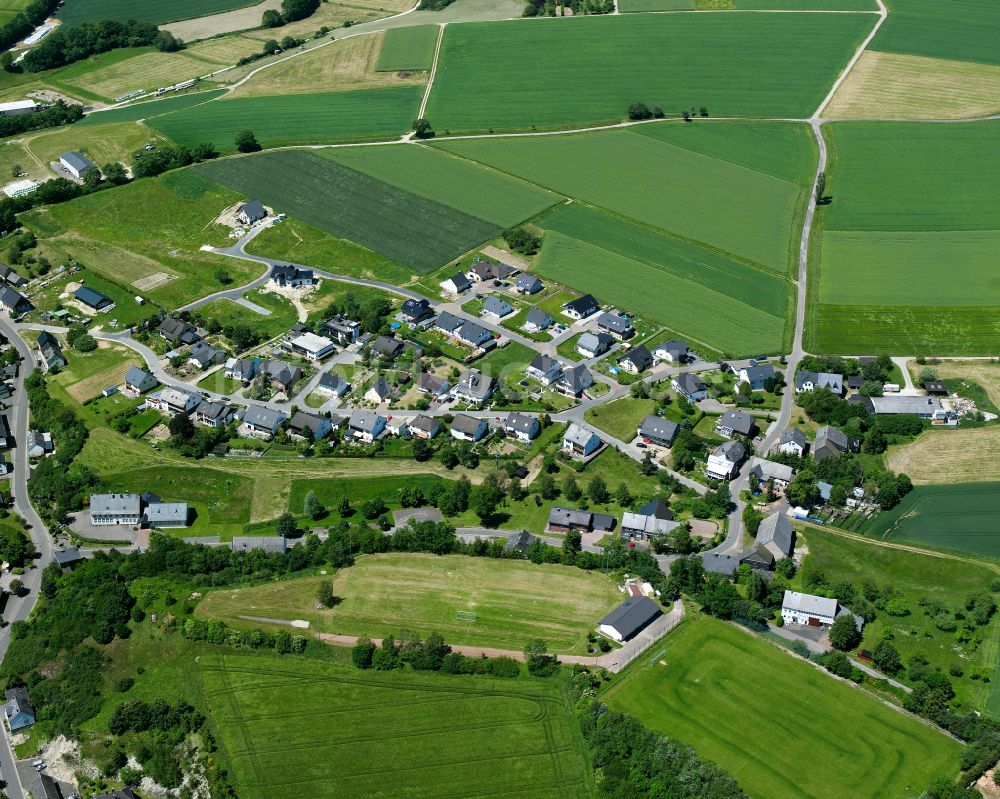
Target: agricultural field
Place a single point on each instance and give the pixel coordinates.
(409, 49)
(103, 144)
(921, 581)
(346, 65)
(147, 109)
(628, 174)
(745, 5)
(778, 65)
(666, 279)
(514, 601)
(907, 197)
(435, 175)
(707, 670)
(964, 30)
(385, 734)
(10, 8)
(76, 11)
(416, 232)
(960, 517)
(147, 236)
(296, 119)
(899, 86)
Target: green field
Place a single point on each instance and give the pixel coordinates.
(294, 727)
(408, 49)
(158, 11)
(755, 710)
(283, 314)
(648, 178)
(965, 30)
(148, 230)
(456, 182)
(957, 517)
(296, 118)
(908, 198)
(359, 490)
(702, 294)
(777, 65)
(515, 601)
(411, 230)
(147, 109)
(918, 579)
(627, 6)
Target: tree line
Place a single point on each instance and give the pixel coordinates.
(66, 45)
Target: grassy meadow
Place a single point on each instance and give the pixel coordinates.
(778, 65)
(419, 233)
(158, 11)
(707, 670)
(147, 109)
(964, 30)
(515, 600)
(376, 734)
(409, 49)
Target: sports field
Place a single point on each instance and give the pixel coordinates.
(958, 517)
(294, 727)
(513, 601)
(647, 178)
(414, 231)
(410, 49)
(966, 30)
(296, 119)
(427, 172)
(778, 65)
(908, 198)
(76, 11)
(707, 670)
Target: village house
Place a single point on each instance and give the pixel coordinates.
(437, 387)
(672, 351)
(379, 391)
(808, 609)
(260, 422)
(39, 444)
(497, 308)
(159, 514)
(630, 618)
(318, 427)
(342, 330)
(581, 307)
(485, 271)
(397, 426)
(214, 414)
(536, 321)
(765, 470)
(456, 284)
(724, 460)
(690, 387)
(637, 361)
(468, 428)
(6, 438)
(139, 381)
(242, 369)
(574, 381)
(657, 430)
(591, 345)
(333, 385)
(77, 164)
(172, 401)
(544, 369)
(831, 443)
(269, 544)
(474, 387)
(250, 212)
(50, 351)
(288, 276)
(924, 407)
(522, 427)
(311, 346)
(793, 442)
(203, 355)
(527, 284)
(282, 376)
(466, 332)
(735, 423)
(14, 302)
(175, 331)
(562, 520)
(8, 275)
(717, 563)
(365, 426)
(756, 376)
(18, 709)
(414, 312)
(618, 327)
(520, 541)
(425, 427)
(387, 347)
(812, 381)
(652, 519)
(777, 536)
(96, 300)
(580, 442)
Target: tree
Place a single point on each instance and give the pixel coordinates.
(875, 442)
(181, 427)
(204, 152)
(293, 10)
(114, 173)
(597, 490)
(756, 587)
(17, 587)
(820, 187)
(223, 277)
(547, 487)
(572, 545)
(520, 240)
(422, 450)
(540, 663)
(844, 633)
(246, 142)
(422, 129)
(344, 507)
(324, 593)
(313, 507)
(639, 111)
(622, 495)
(271, 19)
(287, 526)
(570, 489)
(871, 388)
(718, 596)
(486, 499)
(886, 659)
(838, 496)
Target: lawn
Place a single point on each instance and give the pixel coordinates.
(126, 312)
(147, 236)
(919, 579)
(965, 30)
(506, 362)
(147, 71)
(622, 417)
(283, 314)
(419, 233)
(359, 490)
(147, 109)
(655, 182)
(373, 734)
(773, 705)
(957, 517)
(100, 143)
(515, 600)
(76, 11)
(409, 49)
(777, 65)
(458, 183)
(321, 118)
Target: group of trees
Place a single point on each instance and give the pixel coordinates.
(147, 164)
(61, 113)
(215, 631)
(191, 440)
(522, 240)
(79, 339)
(68, 44)
(23, 23)
(291, 11)
(638, 111)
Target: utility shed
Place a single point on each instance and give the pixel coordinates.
(630, 618)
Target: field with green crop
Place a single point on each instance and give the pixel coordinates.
(456, 182)
(908, 198)
(411, 230)
(147, 109)
(409, 49)
(775, 707)
(669, 280)
(655, 182)
(964, 30)
(778, 65)
(147, 236)
(514, 600)
(627, 6)
(290, 726)
(958, 517)
(158, 11)
(296, 118)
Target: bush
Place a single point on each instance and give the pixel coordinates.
(503, 667)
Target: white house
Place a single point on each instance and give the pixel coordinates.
(808, 609)
(690, 387)
(365, 425)
(580, 442)
(793, 442)
(77, 164)
(171, 401)
(811, 381)
(544, 369)
(522, 427)
(112, 509)
(378, 392)
(672, 351)
(637, 360)
(724, 460)
(581, 307)
(425, 427)
(630, 618)
(590, 345)
(260, 422)
(468, 428)
(139, 381)
(311, 346)
(250, 212)
(456, 284)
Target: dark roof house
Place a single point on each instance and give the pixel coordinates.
(630, 618)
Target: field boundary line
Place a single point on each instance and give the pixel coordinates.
(434, 67)
(883, 14)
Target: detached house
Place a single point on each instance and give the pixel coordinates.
(690, 387)
(766, 471)
(724, 460)
(485, 271)
(808, 609)
(756, 376)
(793, 442)
(250, 212)
(39, 444)
(528, 284)
(318, 426)
(379, 391)
(590, 345)
(342, 330)
(14, 302)
(242, 369)
(260, 422)
(672, 351)
(537, 320)
(366, 426)
(735, 423)
(523, 428)
(333, 385)
(776, 535)
(172, 401)
(831, 443)
(115, 509)
(562, 520)
(288, 276)
(95, 300)
(282, 376)
(652, 519)
(657, 430)
(581, 307)
(574, 381)
(497, 308)
(214, 414)
(414, 312)
(637, 361)
(616, 326)
(17, 709)
(50, 351)
(544, 369)
(311, 346)
(139, 381)
(175, 331)
(388, 348)
(437, 387)
(811, 381)
(474, 387)
(203, 355)
(456, 284)
(580, 442)
(468, 428)
(425, 427)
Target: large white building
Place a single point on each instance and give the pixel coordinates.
(19, 107)
(311, 346)
(108, 509)
(809, 609)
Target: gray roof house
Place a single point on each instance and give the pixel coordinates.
(590, 345)
(14, 301)
(423, 426)
(793, 442)
(414, 311)
(474, 386)
(575, 380)
(214, 414)
(653, 518)
(272, 544)
(756, 376)
(366, 425)
(537, 320)
(332, 384)
(468, 428)
(521, 426)
(925, 407)
(563, 520)
(830, 443)
(724, 460)
(251, 211)
(581, 307)
(166, 514)
(674, 350)
(690, 387)
(387, 347)
(301, 421)
(379, 391)
(242, 369)
(282, 375)
(50, 350)
(77, 163)
(109, 509)
(630, 618)
(776, 535)
(527, 284)
(432, 384)
(544, 369)
(46, 787)
(520, 541)
(770, 470)
(18, 710)
(614, 325)
(472, 334)
(497, 307)
(657, 430)
(580, 441)
(456, 284)
(716, 563)
(177, 332)
(204, 355)
(735, 423)
(638, 359)
(811, 381)
(261, 420)
(139, 381)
